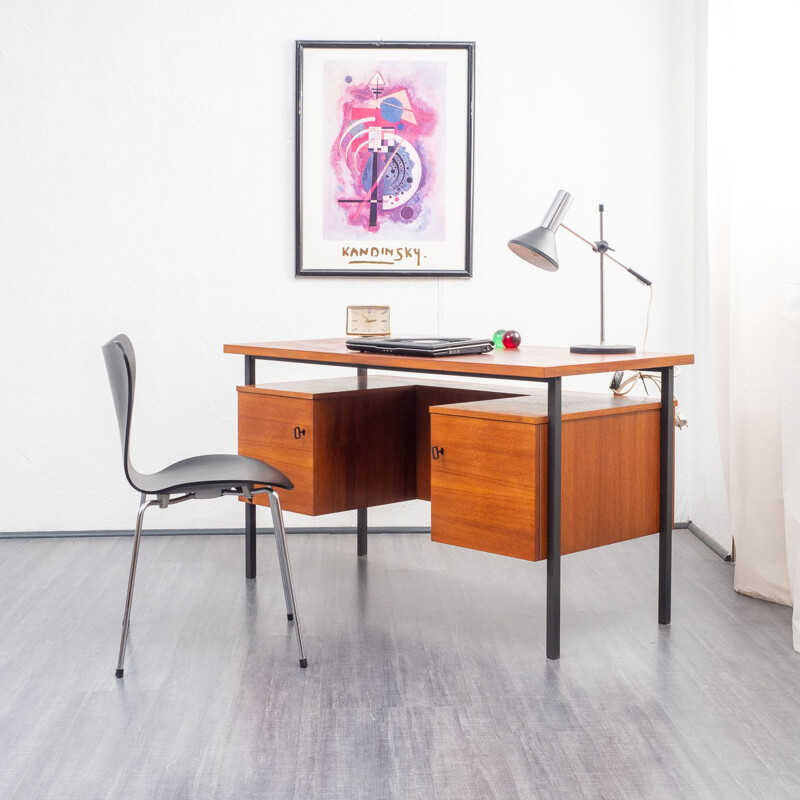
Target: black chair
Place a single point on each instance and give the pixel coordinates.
(193, 478)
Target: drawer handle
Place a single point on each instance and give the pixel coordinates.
(436, 452)
(298, 432)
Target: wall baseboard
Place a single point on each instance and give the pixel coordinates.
(690, 526)
(195, 532)
(711, 544)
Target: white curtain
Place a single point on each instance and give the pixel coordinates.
(754, 261)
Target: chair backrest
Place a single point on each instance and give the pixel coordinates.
(121, 367)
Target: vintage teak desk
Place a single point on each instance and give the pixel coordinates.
(530, 474)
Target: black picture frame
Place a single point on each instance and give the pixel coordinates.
(315, 256)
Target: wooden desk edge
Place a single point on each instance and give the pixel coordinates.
(453, 364)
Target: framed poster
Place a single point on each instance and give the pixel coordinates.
(384, 158)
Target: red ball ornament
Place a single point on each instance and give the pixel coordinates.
(511, 340)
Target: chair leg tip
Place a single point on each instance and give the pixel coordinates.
(290, 617)
(119, 673)
(303, 662)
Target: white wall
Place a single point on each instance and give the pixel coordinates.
(147, 187)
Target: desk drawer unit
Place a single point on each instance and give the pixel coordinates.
(489, 473)
(345, 443)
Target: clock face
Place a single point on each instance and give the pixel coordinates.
(368, 321)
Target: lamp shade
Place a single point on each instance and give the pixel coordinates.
(538, 246)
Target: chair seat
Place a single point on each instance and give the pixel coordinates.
(223, 471)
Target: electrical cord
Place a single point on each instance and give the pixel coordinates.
(620, 386)
(647, 321)
(625, 386)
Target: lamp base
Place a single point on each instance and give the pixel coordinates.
(603, 348)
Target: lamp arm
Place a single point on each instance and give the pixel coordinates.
(633, 272)
(591, 244)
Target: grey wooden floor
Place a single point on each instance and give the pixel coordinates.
(427, 675)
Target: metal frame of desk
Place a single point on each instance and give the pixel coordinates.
(541, 365)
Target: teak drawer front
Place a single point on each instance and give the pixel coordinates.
(268, 429)
(485, 491)
(428, 396)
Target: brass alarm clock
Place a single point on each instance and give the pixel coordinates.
(368, 321)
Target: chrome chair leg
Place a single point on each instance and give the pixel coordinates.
(144, 505)
(288, 595)
(286, 571)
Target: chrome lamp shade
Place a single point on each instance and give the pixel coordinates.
(538, 246)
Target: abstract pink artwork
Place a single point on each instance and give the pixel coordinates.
(384, 152)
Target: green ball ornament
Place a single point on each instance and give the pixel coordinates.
(497, 338)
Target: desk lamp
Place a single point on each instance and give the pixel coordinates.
(538, 247)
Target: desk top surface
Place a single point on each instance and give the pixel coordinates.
(525, 362)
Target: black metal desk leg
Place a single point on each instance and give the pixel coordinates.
(361, 530)
(249, 508)
(554, 518)
(361, 514)
(665, 499)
